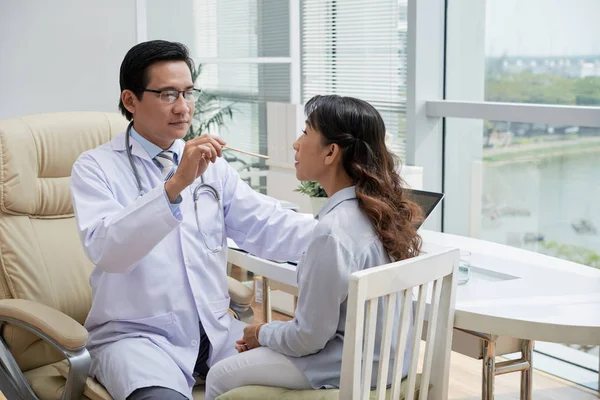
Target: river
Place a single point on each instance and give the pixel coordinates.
(543, 198)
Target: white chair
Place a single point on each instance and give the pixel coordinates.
(432, 277)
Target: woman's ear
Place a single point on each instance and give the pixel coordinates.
(129, 100)
(334, 154)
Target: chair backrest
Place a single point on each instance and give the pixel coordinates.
(41, 256)
(391, 282)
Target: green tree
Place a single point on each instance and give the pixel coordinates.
(587, 91)
(527, 87)
(578, 254)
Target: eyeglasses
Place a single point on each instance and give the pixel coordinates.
(171, 96)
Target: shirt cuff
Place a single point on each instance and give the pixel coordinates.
(265, 333)
(174, 206)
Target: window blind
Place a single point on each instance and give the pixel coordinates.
(244, 29)
(222, 30)
(357, 48)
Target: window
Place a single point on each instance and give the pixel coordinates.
(554, 59)
(529, 184)
(355, 50)
(244, 49)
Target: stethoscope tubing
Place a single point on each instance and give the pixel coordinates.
(196, 192)
(202, 187)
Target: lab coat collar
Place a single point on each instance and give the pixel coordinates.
(118, 144)
(340, 196)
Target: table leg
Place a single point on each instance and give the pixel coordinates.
(527, 374)
(488, 370)
(266, 298)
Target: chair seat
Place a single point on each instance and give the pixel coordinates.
(48, 383)
(276, 393)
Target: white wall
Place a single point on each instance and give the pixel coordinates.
(62, 55)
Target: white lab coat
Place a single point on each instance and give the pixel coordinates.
(157, 275)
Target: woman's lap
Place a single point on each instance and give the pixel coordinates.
(260, 366)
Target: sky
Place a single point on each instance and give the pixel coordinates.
(542, 27)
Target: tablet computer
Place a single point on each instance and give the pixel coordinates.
(426, 200)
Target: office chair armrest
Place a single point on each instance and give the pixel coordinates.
(59, 327)
(54, 327)
(239, 293)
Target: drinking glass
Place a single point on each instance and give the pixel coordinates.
(464, 267)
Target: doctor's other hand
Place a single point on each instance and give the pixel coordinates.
(196, 155)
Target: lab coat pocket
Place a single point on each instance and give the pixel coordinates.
(161, 324)
(219, 307)
(208, 206)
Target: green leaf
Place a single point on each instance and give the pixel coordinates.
(311, 189)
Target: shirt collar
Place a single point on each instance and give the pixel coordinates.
(152, 149)
(340, 196)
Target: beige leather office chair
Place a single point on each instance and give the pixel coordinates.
(44, 289)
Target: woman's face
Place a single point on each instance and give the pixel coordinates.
(310, 155)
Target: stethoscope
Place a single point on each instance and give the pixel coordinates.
(201, 188)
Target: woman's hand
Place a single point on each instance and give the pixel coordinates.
(241, 346)
(250, 339)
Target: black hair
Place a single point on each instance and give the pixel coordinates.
(134, 68)
(358, 129)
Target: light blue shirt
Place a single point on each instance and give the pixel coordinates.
(344, 241)
(153, 150)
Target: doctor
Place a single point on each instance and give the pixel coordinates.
(159, 307)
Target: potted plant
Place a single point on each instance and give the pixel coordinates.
(315, 191)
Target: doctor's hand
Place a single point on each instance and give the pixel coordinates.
(197, 154)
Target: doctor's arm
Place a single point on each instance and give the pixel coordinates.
(323, 283)
(259, 225)
(116, 237)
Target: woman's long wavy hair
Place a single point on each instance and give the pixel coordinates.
(357, 127)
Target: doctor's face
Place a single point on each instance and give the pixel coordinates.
(153, 118)
(310, 155)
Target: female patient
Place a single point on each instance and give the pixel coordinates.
(366, 222)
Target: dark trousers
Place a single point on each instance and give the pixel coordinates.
(156, 393)
(201, 367)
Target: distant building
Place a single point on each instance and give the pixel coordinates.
(570, 67)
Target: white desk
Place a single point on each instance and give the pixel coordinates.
(513, 298)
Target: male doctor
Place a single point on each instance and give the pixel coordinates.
(159, 307)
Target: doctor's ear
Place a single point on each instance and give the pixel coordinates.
(334, 153)
(129, 100)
